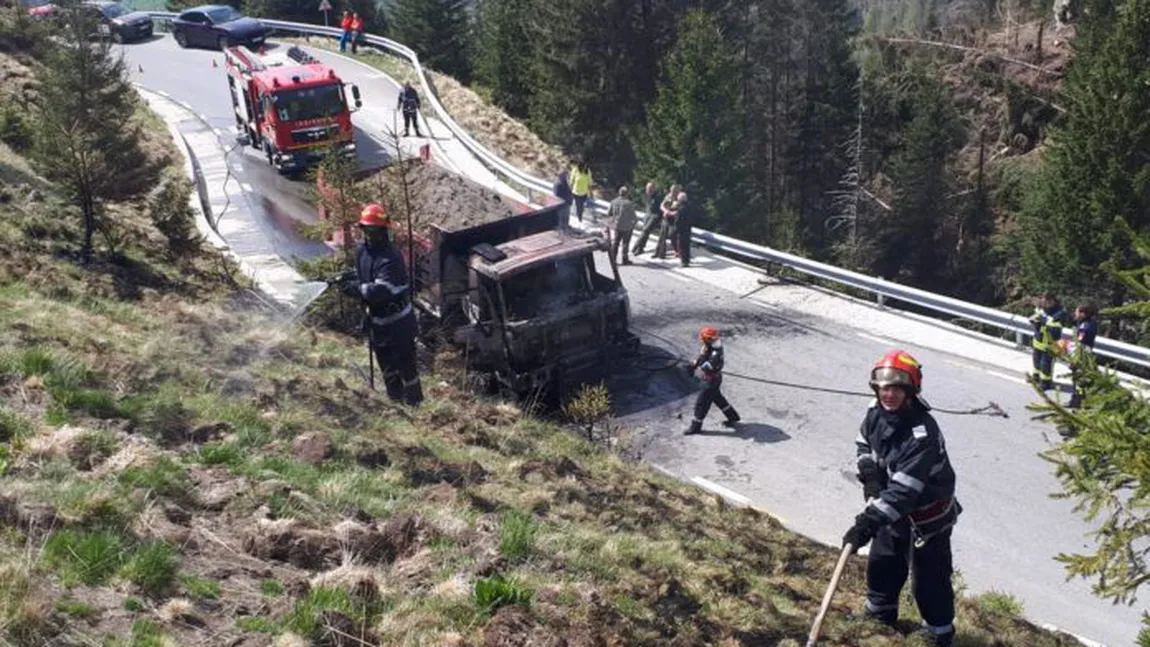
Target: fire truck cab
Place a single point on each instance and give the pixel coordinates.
(289, 105)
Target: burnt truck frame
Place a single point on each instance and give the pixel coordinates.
(525, 300)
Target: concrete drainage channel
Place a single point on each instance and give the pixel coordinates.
(206, 163)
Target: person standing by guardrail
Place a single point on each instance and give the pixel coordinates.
(622, 217)
(683, 224)
(409, 102)
(356, 31)
(345, 25)
(908, 484)
(580, 186)
(1085, 334)
(562, 190)
(669, 209)
(1048, 319)
(653, 219)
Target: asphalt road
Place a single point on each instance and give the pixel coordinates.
(795, 454)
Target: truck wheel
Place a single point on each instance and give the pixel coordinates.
(181, 39)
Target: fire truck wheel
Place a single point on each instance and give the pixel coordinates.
(181, 39)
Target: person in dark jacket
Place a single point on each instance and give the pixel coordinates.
(687, 212)
(381, 281)
(409, 102)
(562, 190)
(653, 221)
(1048, 319)
(710, 362)
(1086, 332)
(909, 485)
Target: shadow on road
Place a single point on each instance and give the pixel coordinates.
(758, 432)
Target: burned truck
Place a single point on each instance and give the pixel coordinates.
(537, 308)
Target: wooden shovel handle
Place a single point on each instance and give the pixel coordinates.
(814, 635)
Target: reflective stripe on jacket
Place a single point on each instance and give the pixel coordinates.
(1047, 327)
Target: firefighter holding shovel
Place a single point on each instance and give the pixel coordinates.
(908, 484)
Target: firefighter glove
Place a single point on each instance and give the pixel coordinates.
(351, 287)
(862, 532)
(872, 479)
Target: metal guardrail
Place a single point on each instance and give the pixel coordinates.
(1008, 322)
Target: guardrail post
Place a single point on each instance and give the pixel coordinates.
(1018, 336)
(881, 300)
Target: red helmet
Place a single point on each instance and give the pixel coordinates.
(374, 215)
(897, 368)
(708, 333)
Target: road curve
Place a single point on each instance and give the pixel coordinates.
(794, 456)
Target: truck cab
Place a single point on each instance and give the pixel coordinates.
(290, 106)
(543, 314)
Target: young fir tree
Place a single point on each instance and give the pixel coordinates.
(1103, 465)
(907, 238)
(503, 59)
(694, 129)
(1097, 168)
(439, 31)
(87, 138)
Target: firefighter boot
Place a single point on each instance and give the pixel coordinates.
(937, 639)
(696, 427)
(733, 418)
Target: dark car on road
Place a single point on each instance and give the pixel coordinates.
(217, 26)
(117, 22)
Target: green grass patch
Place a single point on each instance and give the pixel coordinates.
(145, 633)
(14, 427)
(152, 567)
(200, 587)
(92, 448)
(226, 454)
(272, 588)
(497, 591)
(165, 477)
(517, 535)
(999, 603)
(85, 557)
(75, 608)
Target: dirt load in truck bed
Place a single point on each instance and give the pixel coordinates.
(438, 196)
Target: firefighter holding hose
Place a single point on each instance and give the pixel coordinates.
(381, 280)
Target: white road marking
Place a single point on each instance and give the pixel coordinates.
(218, 132)
(245, 186)
(1012, 378)
(663, 470)
(763, 304)
(886, 341)
(1085, 641)
(730, 495)
(685, 279)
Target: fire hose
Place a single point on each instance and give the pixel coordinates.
(991, 409)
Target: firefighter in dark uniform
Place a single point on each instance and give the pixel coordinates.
(381, 280)
(1086, 332)
(409, 102)
(908, 484)
(1047, 320)
(710, 362)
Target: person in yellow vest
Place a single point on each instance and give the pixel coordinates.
(580, 187)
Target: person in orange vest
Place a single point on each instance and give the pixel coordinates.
(356, 31)
(345, 25)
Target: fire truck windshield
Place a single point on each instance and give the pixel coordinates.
(309, 103)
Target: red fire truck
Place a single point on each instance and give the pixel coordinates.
(289, 105)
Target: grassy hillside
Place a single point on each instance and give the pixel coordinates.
(180, 465)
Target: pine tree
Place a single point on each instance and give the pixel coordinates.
(826, 116)
(1103, 463)
(440, 32)
(87, 138)
(908, 237)
(1097, 168)
(694, 127)
(594, 69)
(503, 60)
